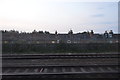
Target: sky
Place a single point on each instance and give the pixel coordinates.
(46, 15)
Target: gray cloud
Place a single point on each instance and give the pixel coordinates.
(107, 22)
(100, 8)
(98, 15)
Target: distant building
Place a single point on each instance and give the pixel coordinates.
(41, 37)
(106, 34)
(111, 34)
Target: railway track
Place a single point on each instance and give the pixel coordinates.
(72, 56)
(64, 66)
(56, 71)
(58, 62)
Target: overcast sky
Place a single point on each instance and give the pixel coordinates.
(27, 15)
